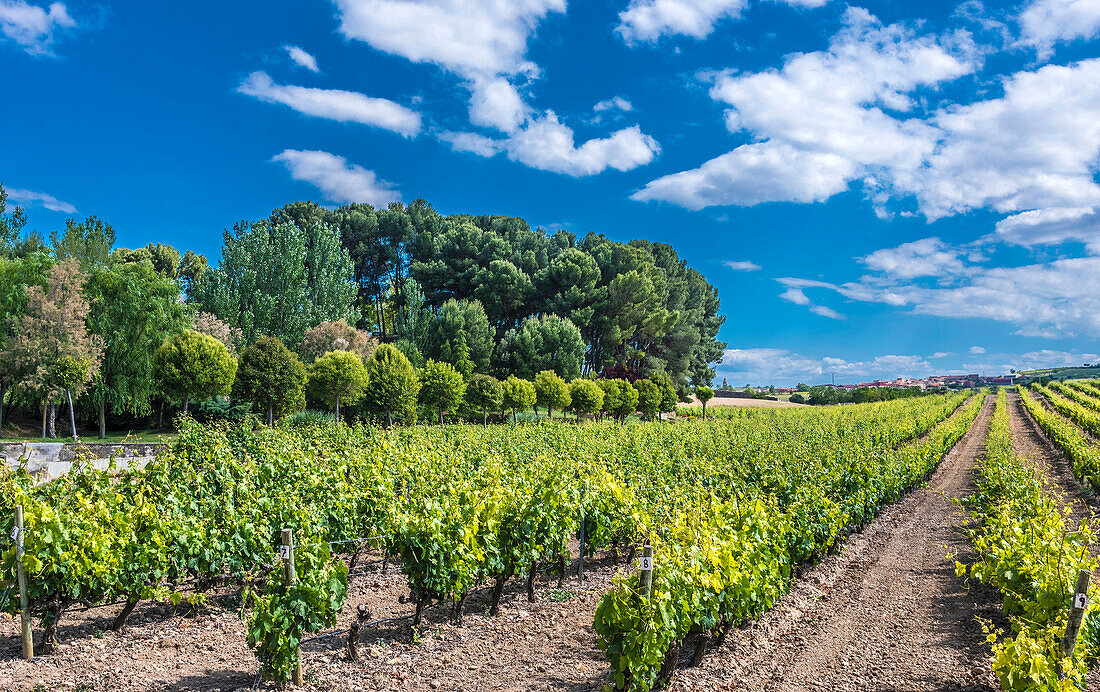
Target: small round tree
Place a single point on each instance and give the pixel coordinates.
(441, 387)
(585, 396)
(392, 385)
(191, 365)
(620, 398)
(271, 377)
(551, 391)
(669, 397)
(704, 394)
(519, 395)
(484, 392)
(337, 376)
(649, 398)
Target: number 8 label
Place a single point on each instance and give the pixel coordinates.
(645, 563)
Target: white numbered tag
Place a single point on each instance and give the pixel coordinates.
(284, 552)
(645, 564)
(1080, 601)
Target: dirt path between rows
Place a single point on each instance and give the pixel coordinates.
(1029, 442)
(887, 613)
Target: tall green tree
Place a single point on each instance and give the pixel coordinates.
(551, 391)
(11, 224)
(89, 242)
(542, 343)
(133, 310)
(278, 281)
(462, 321)
(191, 365)
(52, 346)
(16, 275)
(392, 385)
(484, 393)
(441, 387)
(338, 376)
(271, 377)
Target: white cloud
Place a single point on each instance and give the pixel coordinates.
(338, 180)
(822, 120)
(1044, 23)
(50, 202)
(977, 350)
(496, 103)
(473, 143)
(742, 265)
(753, 174)
(1052, 226)
(302, 58)
(31, 26)
(779, 366)
(925, 257)
(485, 44)
(614, 103)
(649, 20)
(548, 145)
(1034, 147)
(1060, 298)
(334, 104)
(824, 311)
(941, 354)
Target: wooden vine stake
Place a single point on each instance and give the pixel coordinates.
(21, 576)
(646, 565)
(287, 555)
(1076, 613)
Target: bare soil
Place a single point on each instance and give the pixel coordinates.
(886, 613)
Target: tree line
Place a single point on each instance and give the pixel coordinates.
(387, 314)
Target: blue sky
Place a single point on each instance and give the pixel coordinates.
(876, 189)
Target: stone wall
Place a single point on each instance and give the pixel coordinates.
(52, 459)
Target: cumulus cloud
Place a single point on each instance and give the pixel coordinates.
(485, 44)
(334, 104)
(32, 27)
(614, 103)
(302, 58)
(777, 366)
(824, 119)
(25, 197)
(977, 350)
(338, 180)
(649, 20)
(548, 144)
(925, 257)
(1052, 227)
(742, 265)
(1044, 23)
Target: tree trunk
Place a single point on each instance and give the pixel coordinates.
(389, 418)
(704, 410)
(186, 402)
(120, 621)
(72, 415)
(337, 409)
(3, 391)
(45, 408)
(531, 583)
(160, 421)
(441, 414)
(270, 416)
(484, 414)
(51, 427)
(102, 417)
